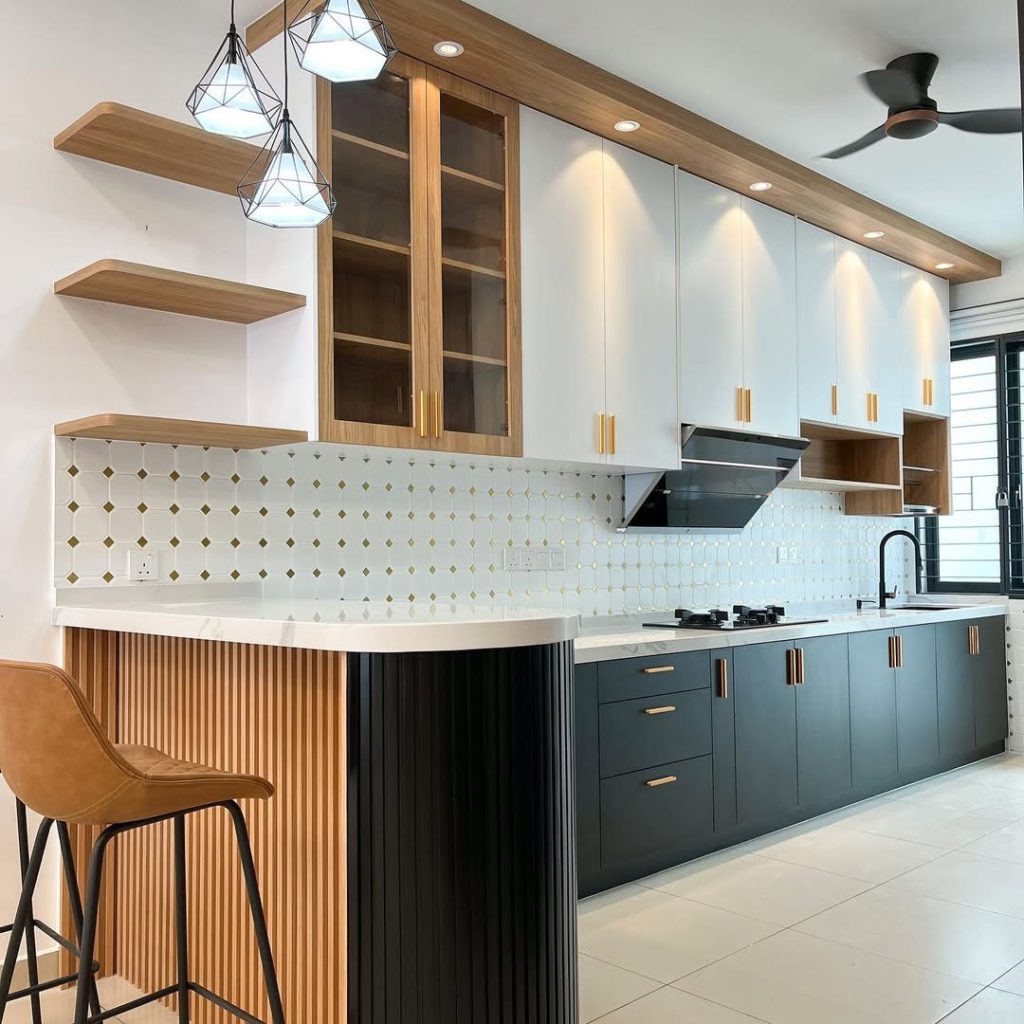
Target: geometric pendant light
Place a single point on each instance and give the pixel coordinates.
(346, 41)
(234, 97)
(284, 187)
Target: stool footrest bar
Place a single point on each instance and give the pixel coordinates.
(135, 1004)
(212, 997)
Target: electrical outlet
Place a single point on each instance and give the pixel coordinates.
(557, 556)
(527, 559)
(142, 566)
(782, 554)
(792, 553)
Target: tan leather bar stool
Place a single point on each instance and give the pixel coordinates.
(58, 761)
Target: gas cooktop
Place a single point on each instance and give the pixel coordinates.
(741, 617)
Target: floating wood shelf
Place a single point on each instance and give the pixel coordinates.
(358, 140)
(470, 357)
(362, 339)
(127, 137)
(133, 284)
(846, 486)
(472, 179)
(471, 268)
(111, 426)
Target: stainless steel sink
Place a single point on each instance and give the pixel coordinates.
(926, 607)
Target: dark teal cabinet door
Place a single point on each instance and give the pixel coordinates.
(766, 767)
(588, 780)
(872, 711)
(956, 689)
(989, 680)
(917, 706)
(823, 720)
(723, 739)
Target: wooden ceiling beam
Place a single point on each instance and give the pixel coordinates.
(525, 68)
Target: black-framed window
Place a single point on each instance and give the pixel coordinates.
(980, 546)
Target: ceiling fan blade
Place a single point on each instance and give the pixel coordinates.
(873, 136)
(898, 90)
(1001, 121)
(920, 66)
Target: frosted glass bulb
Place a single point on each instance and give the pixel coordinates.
(288, 197)
(229, 105)
(344, 45)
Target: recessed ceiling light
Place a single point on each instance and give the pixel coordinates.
(760, 186)
(874, 234)
(449, 48)
(627, 126)
(944, 266)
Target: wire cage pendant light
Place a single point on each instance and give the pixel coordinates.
(234, 97)
(284, 187)
(342, 40)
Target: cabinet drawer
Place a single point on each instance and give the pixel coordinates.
(637, 734)
(647, 677)
(639, 820)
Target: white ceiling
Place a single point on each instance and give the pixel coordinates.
(785, 73)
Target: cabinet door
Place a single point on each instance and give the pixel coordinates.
(855, 299)
(640, 309)
(988, 673)
(886, 371)
(917, 711)
(823, 720)
(723, 739)
(562, 289)
(956, 690)
(939, 318)
(817, 369)
(588, 780)
(769, 319)
(710, 303)
(872, 711)
(917, 341)
(766, 744)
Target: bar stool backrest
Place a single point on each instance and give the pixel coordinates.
(56, 758)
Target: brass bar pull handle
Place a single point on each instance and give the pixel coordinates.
(800, 679)
(437, 414)
(723, 678)
(876, 406)
(899, 652)
(600, 433)
(741, 405)
(656, 670)
(611, 436)
(870, 416)
(977, 639)
(664, 781)
(423, 414)
(927, 391)
(750, 406)
(791, 667)
(973, 640)
(835, 399)
(892, 652)
(666, 710)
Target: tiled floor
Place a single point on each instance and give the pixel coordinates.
(907, 909)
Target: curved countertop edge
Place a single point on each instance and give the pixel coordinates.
(612, 642)
(473, 632)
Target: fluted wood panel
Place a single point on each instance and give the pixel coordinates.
(276, 712)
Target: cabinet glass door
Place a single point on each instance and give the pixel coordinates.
(478, 252)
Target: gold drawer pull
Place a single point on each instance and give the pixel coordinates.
(600, 433)
(667, 780)
(723, 678)
(800, 679)
(791, 678)
(656, 670)
(423, 414)
(741, 405)
(835, 399)
(437, 414)
(612, 447)
(666, 710)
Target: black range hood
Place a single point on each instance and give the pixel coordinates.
(724, 477)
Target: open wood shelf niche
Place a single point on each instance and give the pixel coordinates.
(110, 426)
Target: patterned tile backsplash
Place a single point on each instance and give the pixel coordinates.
(428, 527)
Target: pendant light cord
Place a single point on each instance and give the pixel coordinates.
(284, 42)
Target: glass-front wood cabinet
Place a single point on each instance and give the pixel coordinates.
(419, 270)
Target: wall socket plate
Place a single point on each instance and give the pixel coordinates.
(142, 566)
(785, 554)
(527, 559)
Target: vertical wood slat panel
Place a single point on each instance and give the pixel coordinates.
(275, 712)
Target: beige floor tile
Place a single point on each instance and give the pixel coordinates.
(844, 851)
(1012, 981)
(770, 890)
(59, 1007)
(1003, 772)
(964, 796)
(931, 826)
(604, 987)
(670, 1006)
(1004, 844)
(960, 941)
(792, 978)
(974, 881)
(660, 936)
(989, 1007)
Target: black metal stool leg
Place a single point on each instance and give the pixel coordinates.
(259, 920)
(92, 906)
(30, 931)
(67, 856)
(23, 918)
(181, 917)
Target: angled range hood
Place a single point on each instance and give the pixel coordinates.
(724, 477)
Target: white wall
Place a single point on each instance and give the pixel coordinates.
(64, 358)
(1008, 287)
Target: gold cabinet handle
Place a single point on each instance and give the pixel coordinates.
(600, 433)
(437, 414)
(656, 670)
(723, 678)
(791, 667)
(927, 391)
(835, 399)
(741, 405)
(611, 436)
(892, 651)
(973, 640)
(800, 680)
(899, 651)
(423, 414)
(977, 639)
(750, 406)
(664, 781)
(666, 710)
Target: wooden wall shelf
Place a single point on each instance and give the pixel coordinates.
(171, 291)
(127, 137)
(110, 426)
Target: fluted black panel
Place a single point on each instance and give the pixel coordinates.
(462, 871)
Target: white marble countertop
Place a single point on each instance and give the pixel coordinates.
(356, 626)
(612, 639)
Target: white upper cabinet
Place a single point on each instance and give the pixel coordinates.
(887, 355)
(925, 331)
(562, 289)
(710, 303)
(640, 309)
(769, 319)
(598, 298)
(816, 327)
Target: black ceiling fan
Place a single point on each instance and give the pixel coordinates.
(903, 87)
